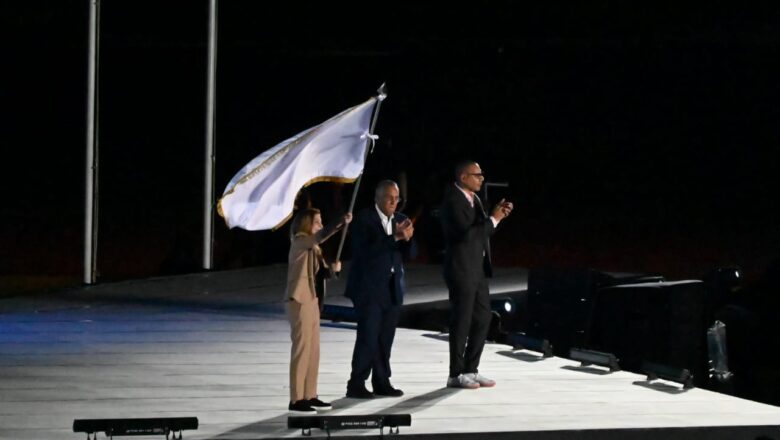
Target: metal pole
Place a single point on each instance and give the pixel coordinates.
(90, 207)
(208, 197)
(381, 95)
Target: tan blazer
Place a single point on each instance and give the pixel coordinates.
(303, 264)
(304, 261)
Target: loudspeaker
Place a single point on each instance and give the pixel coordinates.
(560, 307)
(656, 322)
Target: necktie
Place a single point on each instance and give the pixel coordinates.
(487, 262)
(478, 207)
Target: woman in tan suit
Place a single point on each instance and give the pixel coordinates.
(306, 274)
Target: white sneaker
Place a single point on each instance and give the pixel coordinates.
(462, 381)
(481, 380)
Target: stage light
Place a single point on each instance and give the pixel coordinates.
(328, 423)
(724, 280)
(510, 306)
(111, 427)
(723, 287)
(679, 375)
(504, 305)
(521, 341)
(591, 357)
(506, 314)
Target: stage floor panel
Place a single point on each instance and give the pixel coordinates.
(71, 358)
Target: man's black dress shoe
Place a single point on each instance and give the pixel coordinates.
(359, 392)
(388, 391)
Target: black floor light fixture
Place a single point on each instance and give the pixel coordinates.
(330, 423)
(167, 426)
(522, 341)
(591, 357)
(658, 371)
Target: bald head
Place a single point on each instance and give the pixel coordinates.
(468, 175)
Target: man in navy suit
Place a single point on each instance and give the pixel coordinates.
(376, 287)
(467, 230)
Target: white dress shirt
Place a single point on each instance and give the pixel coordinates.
(387, 222)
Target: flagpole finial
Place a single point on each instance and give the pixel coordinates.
(382, 92)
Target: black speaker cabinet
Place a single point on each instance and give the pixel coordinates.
(661, 322)
(560, 306)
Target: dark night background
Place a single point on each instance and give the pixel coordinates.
(632, 138)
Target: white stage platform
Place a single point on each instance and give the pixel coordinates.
(137, 352)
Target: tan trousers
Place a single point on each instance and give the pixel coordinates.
(305, 352)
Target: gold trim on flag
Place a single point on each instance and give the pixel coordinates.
(283, 151)
(274, 157)
(312, 182)
(332, 179)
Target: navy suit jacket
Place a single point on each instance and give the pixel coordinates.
(374, 253)
(467, 232)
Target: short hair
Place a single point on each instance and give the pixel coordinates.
(381, 188)
(461, 167)
(303, 221)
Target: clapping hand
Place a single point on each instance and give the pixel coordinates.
(404, 230)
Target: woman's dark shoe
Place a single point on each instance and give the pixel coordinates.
(302, 406)
(319, 405)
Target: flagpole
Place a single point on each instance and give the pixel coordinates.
(381, 95)
(90, 192)
(208, 185)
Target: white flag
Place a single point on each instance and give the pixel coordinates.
(262, 194)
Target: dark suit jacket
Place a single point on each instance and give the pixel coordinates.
(374, 253)
(467, 232)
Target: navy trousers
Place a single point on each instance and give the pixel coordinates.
(377, 321)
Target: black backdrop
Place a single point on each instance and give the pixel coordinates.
(632, 138)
